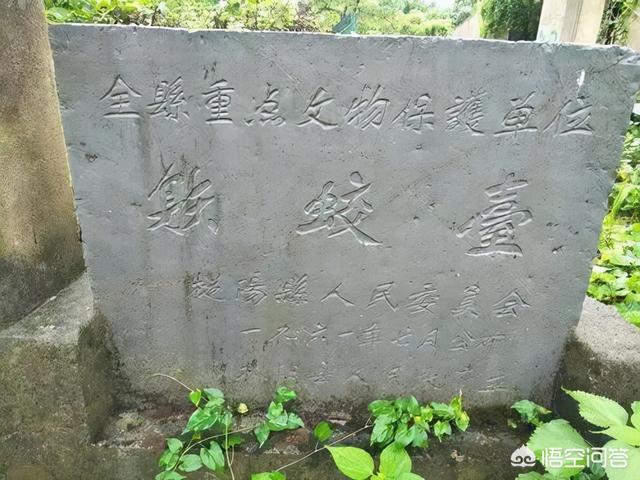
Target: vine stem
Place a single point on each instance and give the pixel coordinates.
(352, 434)
(226, 451)
(171, 378)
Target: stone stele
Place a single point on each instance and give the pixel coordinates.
(354, 216)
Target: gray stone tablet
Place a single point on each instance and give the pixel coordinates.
(356, 216)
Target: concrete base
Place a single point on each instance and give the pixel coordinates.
(602, 357)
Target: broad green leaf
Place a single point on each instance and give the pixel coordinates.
(168, 459)
(614, 472)
(268, 476)
(195, 396)
(404, 435)
(172, 475)
(323, 431)
(383, 430)
(353, 462)
(628, 435)
(294, 421)
(557, 434)
(410, 476)
(443, 411)
(214, 396)
(599, 411)
(174, 445)
(441, 428)
(462, 421)
(381, 407)
(635, 407)
(408, 404)
(284, 395)
(201, 420)
(262, 432)
(635, 420)
(394, 460)
(530, 411)
(275, 410)
(190, 463)
(420, 437)
(212, 457)
(232, 441)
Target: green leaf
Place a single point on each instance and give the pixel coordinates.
(443, 411)
(530, 412)
(599, 411)
(168, 459)
(190, 463)
(323, 431)
(353, 462)
(557, 434)
(201, 420)
(232, 441)
(174, 445)
(404, 435)
(383, 430)
(394, 460)
(268, 476)
(440, 429)
(628, 435)
(262, 432)
(462, 421)
(410, 476)
(195, 396)
(408, 404)
(635, 407)
(381, 407)
(635, 420)
(284, 395)
(212, 457)
(214, 396)
(633, 461)
(275, 410)
(294, 421)
(420, 437)
(171, 475)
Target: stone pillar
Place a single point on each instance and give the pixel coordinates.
(40, 247)
(573, 21)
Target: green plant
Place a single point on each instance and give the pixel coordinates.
(613, 422)
(277, 418)
(616, 21)
(143, 12)
(530, 413)
(510, 19)
(615, 278)
(407, 423)
(357, 464)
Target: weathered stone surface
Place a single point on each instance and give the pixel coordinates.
(359, 216)
(40, 249)
(601, 357)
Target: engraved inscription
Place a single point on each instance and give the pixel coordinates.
(293, 291)
(466, 114)
(466, 341)
(415, 115)
(183, 198)
(370, 336)
(251, 290)
(382, 294)
(119, 98)
(217, 101)
(205, 286)
(467, 304)
(169, 100)
(430, 341)
(403, 338)
(496, 224)
(573, 118)
(518, 118)
(509, 305)
(314, 110)
(268, 112)
(339, 214)
(336, 294)
(368, 109)
(422, 301)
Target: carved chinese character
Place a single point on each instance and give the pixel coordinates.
(431, 341)
(496, 224)
(509, 305)
(184, 199)
(218, 99)
(119, 97)
(268, 111)
(573, 118)
(251, 290)
(169, 100)
(467, 304)
(403, 338)
(314, 110)
(466, 341)
(382, 293)
(422, 301)
(336, 294)
(518, 118)
(365, 112)
(370, 336)
(416, 114)
(319, 333)
(293, 291)
(340, 214)
(466, 113)
(322, 374)
(205, 286)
